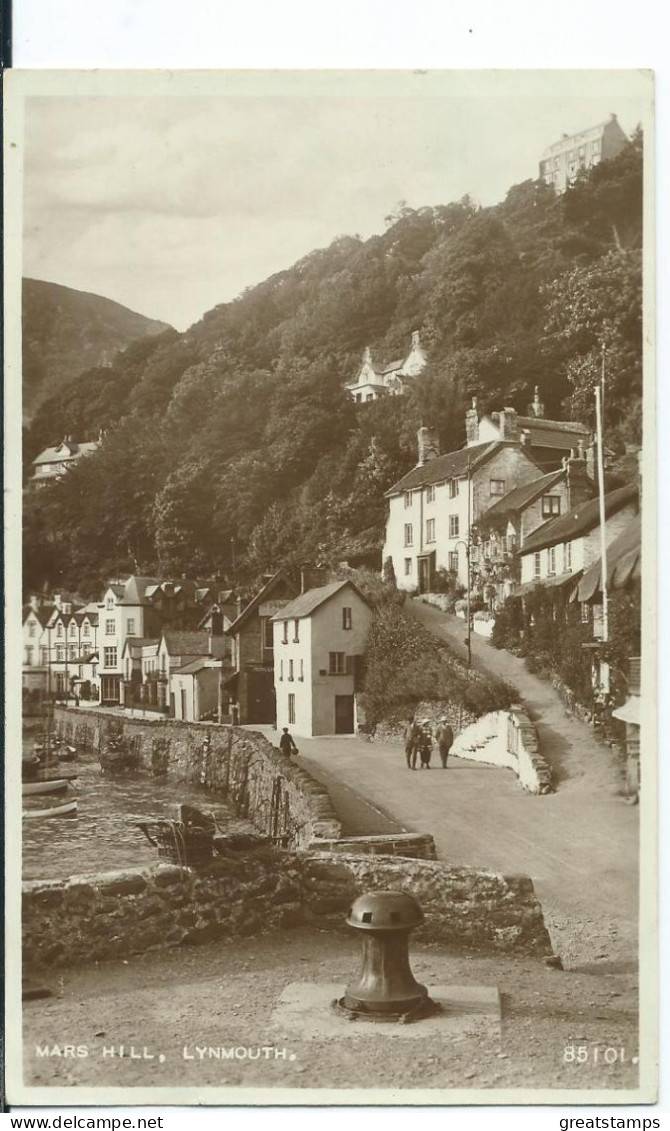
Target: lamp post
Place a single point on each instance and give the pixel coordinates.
(468, 639)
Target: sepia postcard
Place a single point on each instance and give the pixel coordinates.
(330, 462)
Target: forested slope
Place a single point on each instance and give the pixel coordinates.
(235, 442)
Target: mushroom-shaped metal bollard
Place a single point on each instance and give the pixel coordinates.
(386, 989)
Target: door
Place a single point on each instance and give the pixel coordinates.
(344, 714)
(261, 701)
(183, 703)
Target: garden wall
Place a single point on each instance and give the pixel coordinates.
(110, 916)
(279, 797)
(507, 738)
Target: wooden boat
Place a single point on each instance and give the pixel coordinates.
(53, 785)
(69, 809)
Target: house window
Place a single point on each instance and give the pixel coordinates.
(301, 677)
(29, 655)
(346, 617)
(110, 602)
(551, 505)
(110, 628)
(291, 708)
(60, 632)
(73, 628)
(130, 629)
(285, 636)
(430, 530)
(336, 663)
(290, 670)
(44, 655)
(409, 537)
(110, 657)
(60, 655)
(268, 639)
(584, 609)
(86, 631)
(407, 498)
(430, 494)
(537, 565)
(551, 561)
(567, 557)
(453, 488)
(31, 629)
(281, 669)
(453, 561)
(72, 652)
(296, 633)
(497, 486)
(408, 566)
(453, 526)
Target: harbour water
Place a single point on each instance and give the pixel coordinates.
(104, 836)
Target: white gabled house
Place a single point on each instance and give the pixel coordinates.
(375, 380)
(319, 639)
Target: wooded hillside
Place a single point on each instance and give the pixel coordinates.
(235, 446)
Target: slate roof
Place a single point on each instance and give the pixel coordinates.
(135, 589)
(306, 603)
(135, 644)
(187, 643)
(64, 452)
(43, 614)
(453, 465)
(196, 665)
(563, 434)
(392, 365)
(580, 520)
(520, 497)
(250, 609)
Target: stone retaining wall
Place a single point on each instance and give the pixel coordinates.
(415, 846)
(391, 730)
(507, 738)
(97, 917)
(278, 796)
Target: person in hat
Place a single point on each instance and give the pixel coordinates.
(425, 745)
(411, 738)
(444, 736)
(286, 744)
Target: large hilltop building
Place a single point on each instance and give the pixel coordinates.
(562, 161)
(374, 380)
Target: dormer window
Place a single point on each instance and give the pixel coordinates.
(110, 602)
(60, 632)
(73, 629)
(551, 506)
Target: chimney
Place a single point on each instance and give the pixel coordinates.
(428, 445)
(367, 356)
(416, 344)
(311, 577)
(580, 487)
(508, 424)
(35, 602)
(537, 407)
(472, 423)
(238, 606)
(215, 625)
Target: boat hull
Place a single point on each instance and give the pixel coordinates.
(58, 785)
(69, 809)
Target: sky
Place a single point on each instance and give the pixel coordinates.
(175, 202)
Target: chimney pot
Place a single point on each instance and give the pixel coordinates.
(472, 423)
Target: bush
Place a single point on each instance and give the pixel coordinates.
(405, 664)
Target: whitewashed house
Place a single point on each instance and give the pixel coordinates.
(558, 552)
(375, 380)
(319, 639)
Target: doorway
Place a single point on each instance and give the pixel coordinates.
(344, 714)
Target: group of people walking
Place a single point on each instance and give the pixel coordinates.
(420, 740)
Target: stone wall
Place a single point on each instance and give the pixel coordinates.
(98, 917)
(507, 738)
(391, 730)
(415, 846)
(463, 907)
(276, 795)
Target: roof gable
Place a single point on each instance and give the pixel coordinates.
(521, 497)
(579, 521)
(307, 603)
(266, 591)
(453, 465)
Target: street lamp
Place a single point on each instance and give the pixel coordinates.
(468, 641)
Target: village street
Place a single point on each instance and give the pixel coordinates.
(579, 844)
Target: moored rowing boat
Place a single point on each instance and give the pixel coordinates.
(57, 785)
(69, 809)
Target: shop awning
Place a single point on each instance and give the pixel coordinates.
(624, 564)
(547, 583)
(629, 712)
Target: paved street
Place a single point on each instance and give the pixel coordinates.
(579, 845)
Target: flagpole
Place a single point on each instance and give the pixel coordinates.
(601, 497)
